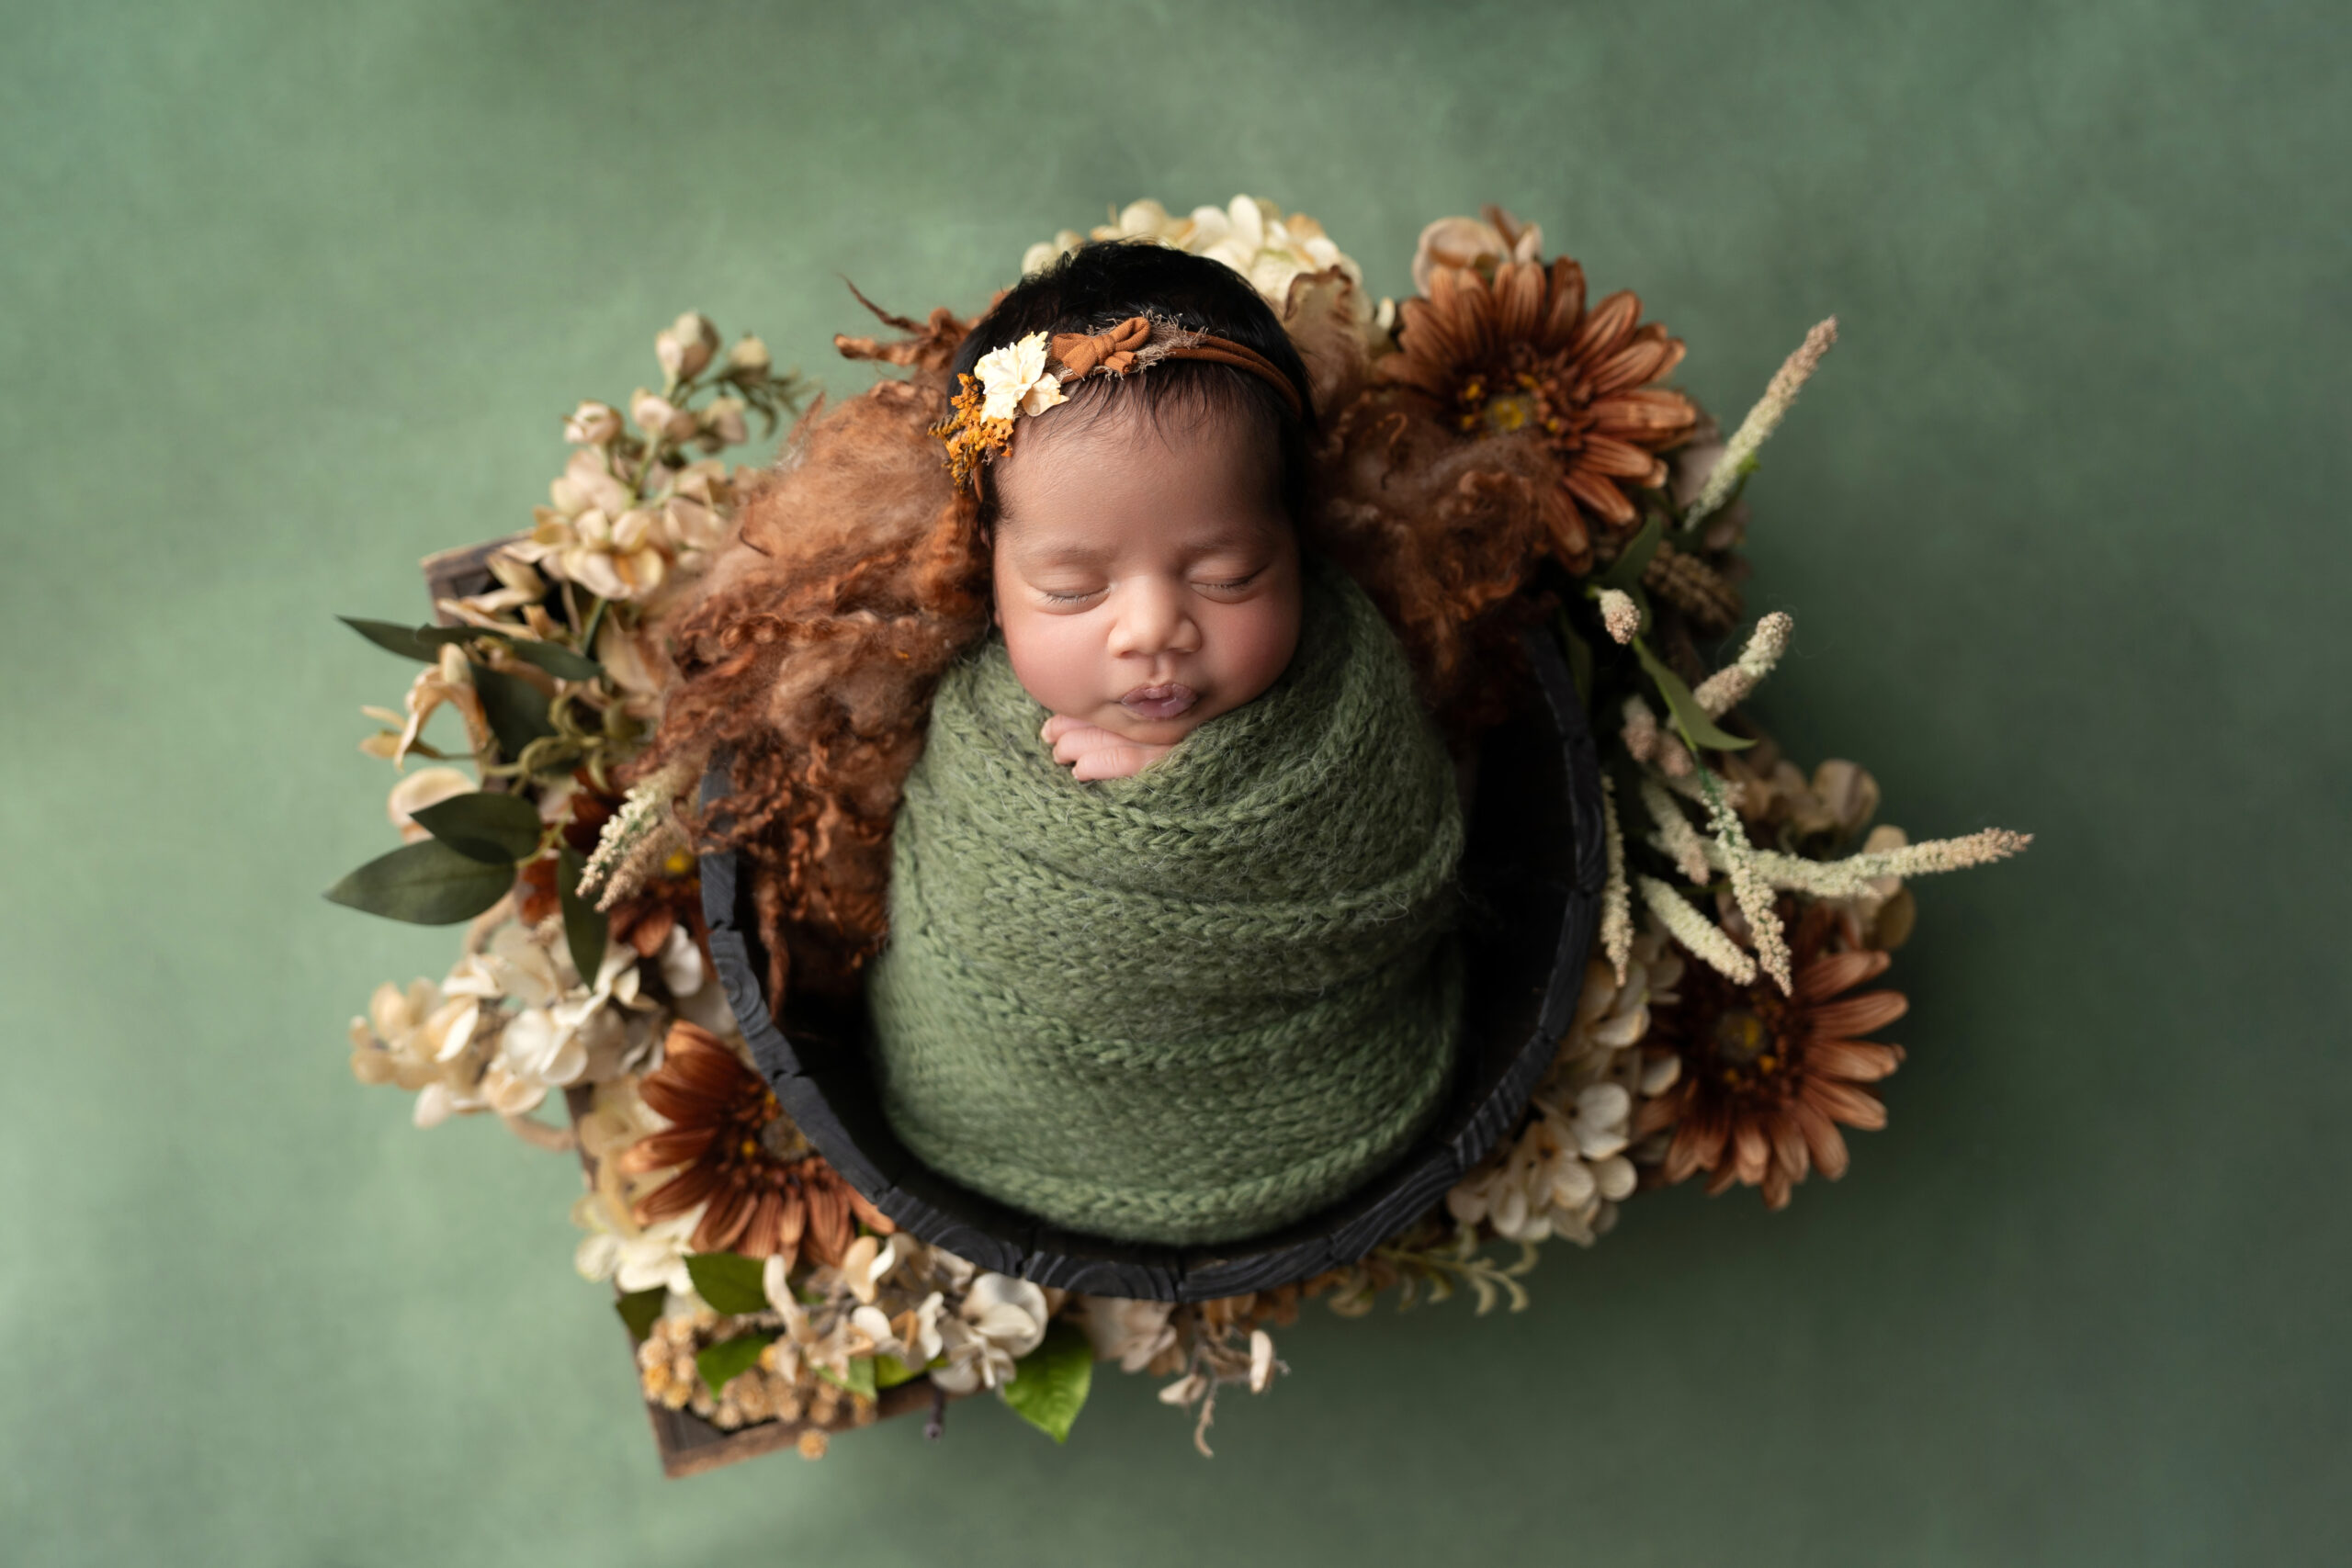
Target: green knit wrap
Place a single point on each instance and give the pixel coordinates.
(1192, 1004)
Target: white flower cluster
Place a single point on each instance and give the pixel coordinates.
(1252, 237)
(1568, 1170)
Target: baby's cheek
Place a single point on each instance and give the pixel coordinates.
(1260, 637)
(1054, 659)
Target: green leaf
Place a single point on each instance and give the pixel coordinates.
(721, 1363)
(425, 884)
(1698, 729)
(516, 711)
(557, 660)
(584, 925)
(889, 1372)
(498, 829)
(422, 644)
(728, 1281)
(862, 1379)
(641, 1310)
(1050, 1383)
(1627, 569)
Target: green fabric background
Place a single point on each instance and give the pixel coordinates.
(291, 295)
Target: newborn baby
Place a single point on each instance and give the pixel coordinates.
(1147, 579)
(1171, 883)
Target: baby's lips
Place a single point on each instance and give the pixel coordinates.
(1159, 702)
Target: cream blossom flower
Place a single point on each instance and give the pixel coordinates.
(588, 481)
(634, 1256)
(1133, 1332)
(409, 1035)
(1468, 241)
(1014, 378)
(722, 424)
(660, 418)
(686, 345)
(426, 787)
(612, 556)
(1253, 237)
(1001, 1320)
(446, 679)
(592, 424)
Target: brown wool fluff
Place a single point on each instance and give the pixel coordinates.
(860, 574)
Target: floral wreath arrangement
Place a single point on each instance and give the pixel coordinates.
(1519, 445)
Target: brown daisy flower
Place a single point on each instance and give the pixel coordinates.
(769, 1194)
(1521, 353)
(1766, 1079)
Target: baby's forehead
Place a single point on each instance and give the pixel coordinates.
(1199, 462)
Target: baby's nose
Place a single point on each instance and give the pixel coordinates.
(1152, 619)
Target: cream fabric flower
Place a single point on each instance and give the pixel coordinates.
(1014, 378)
(1001, 1319)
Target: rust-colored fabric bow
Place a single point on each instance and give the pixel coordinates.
(1113, 351)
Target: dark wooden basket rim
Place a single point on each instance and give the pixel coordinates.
(1543, 897)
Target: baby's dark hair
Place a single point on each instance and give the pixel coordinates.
(1103, 283)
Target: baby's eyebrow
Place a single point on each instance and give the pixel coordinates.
(1058, 554)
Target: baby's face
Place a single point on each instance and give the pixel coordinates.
(1145, 577)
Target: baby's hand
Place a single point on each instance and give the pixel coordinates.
(1094, 753)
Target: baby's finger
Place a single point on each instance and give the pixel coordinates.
(1116, 761)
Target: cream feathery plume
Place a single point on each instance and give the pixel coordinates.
(1616, 900)
(640, 836)
(1701, 935)
(1852, 876)
(1729, 687)
(1620, 615)
(1677, 837)
(1748, 887)
(1762, 420)
(1641, 733)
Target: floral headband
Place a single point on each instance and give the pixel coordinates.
(1020, 378)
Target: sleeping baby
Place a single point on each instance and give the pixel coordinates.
(1171, 885)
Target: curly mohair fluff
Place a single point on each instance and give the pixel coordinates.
(807, 660)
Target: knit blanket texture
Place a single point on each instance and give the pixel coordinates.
(1192, 1004)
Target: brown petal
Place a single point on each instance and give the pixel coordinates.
(729, 1213)
(1776, 1188)
(828, 1235)
(1824, 978)
(1852, 1016)
(875, 1218)
(1649, 357)
(1656, 1115)
(659, 1151)
(1567, 311)
(1822, 1138)
(1650, 412)
(1607, 455)
(1598, 496)
(653, 930)
(1608, 326)
(1858, 1061)
(762, 1233)
(1846, 1103)
(1752, 1153)
(678, 1195)
(1519, 300)
(1821, 1135)
(1789, 1153)
(1571, 541)
(1721, 1181)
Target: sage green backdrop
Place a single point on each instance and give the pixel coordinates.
(294, 294)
